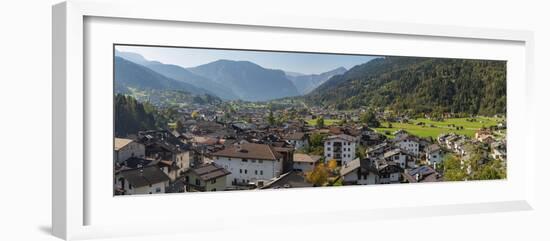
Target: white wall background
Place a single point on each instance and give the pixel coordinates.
(25, 99)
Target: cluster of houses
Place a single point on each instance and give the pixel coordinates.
(484, 143)
(211, 153)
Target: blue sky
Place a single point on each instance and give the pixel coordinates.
(304, 63)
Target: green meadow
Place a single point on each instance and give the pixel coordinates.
(435, 128)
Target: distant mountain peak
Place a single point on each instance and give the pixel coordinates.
(248, 80)
(131, 56)
(307, 83)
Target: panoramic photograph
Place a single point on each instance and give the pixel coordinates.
(205, 120)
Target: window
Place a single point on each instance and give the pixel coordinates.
(229, 158)
(261, 172)
(157, 190)
(245, 171)
(240, 170)
(244, 160)
(395, 157)
(213, 181)
(328, 148)
(260, 161)
(213, 190)
(255, 172)
(197, 182)
(253, 161)
(328, 154)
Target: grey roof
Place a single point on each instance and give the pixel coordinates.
(292, 179)
(426, 174)
(392, 152)
(299, 157)
(377, 147)
(296, 136)
(141, 177)
(433, 148)
(342, 136)
(135, 162)
(350, 166)
(364, 164)
(210, 171)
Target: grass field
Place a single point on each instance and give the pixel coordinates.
(328, 122)
(439, 127)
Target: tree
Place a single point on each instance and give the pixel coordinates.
(316, 145)
(179, 126)
(361, 151)
(369, 118)
(320, 122)
(271, 118)
(453, 170)
(194, 114)
(319, 175)
(332, 164)
(132, 116)
(490, 171)
(316, 139)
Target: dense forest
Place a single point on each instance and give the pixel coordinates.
(418, 85)
(132, 116)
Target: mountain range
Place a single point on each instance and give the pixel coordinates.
(419, 85)
(226, 79)
(129, 75)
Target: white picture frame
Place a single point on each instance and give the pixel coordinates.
(72, 193)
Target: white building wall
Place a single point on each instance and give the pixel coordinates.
(434, 157)
(400, 159)
(371, 179)
(133, 149)
(298, 144)
(409, 146)
(394, 178)
(351, 177)
(347, 153)
(250, 171)
(155, 188)
(304, 166)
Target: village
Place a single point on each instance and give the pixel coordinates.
(212, 148)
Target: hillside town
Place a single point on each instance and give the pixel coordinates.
(213, 149)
